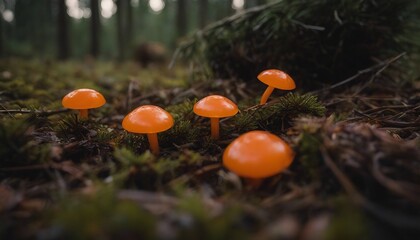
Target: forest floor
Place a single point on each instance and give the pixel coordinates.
(356, 173)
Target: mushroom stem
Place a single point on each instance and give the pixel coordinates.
(83, 113)
(214, 122)
(253, 183)
(266, 94)
(153, 142)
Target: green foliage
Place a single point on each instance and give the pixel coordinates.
(103, 216)
(191, 158)
(182, 132)
(183, 110)
(135, 142)
(317, 42)
(293, 105)
(245, 121)
(19, 89)
(128, 158)
(275, 114)
(205, 223)
(148, 171)
(348, 222)
(72, 127)
(136, 170)
(309, 154)
(100, 216)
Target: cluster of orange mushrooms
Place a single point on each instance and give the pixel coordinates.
(254, 155)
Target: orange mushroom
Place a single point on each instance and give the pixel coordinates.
(257, 155)
(215, 107)
(150, 120)
(83, 100)
(275, 79)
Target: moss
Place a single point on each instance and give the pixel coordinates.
(129, 159)
(277, 115)
(166, 166)
(33, 81)
(309, 154)
(101, 216)
(183, 110)
(293, 105)
(135, 142)
(85, 137)
(191, 158)
(349, 222)
(72, 128)
(207, 223)
(181, 133)
(245, 122)
(148, 171)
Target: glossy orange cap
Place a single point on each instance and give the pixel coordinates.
(215, 106)
(257, 154)
(83, 99)
(148, 119)
(278, 79)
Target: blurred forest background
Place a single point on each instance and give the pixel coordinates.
(104, 29)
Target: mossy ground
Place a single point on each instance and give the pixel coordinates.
(355, 176)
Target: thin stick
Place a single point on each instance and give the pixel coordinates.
(382, 66)
(345, 182)
(42, 113)
(381, 213)
(146, 197)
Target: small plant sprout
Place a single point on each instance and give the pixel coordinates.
(215, 107)
(83, 100)
(275, 79)
(257, 155)
(150, 120)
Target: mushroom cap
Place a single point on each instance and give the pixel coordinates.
(83, 98)
(276, 78)
(215, 106)
(148, 119)
(257, 154)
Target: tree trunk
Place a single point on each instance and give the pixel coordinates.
(121, 29)
(181, 18)
(261, 2)
(229, 9)
(41, 23)
(1, 38)
(203, 13)
(253, 3)
(49, 18)
(62, 31)
(130, 29)
(248, 4)
(95, 28)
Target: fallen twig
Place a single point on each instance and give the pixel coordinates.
(41, 113)
(382, 214)
(380, 66)
(405, 189)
